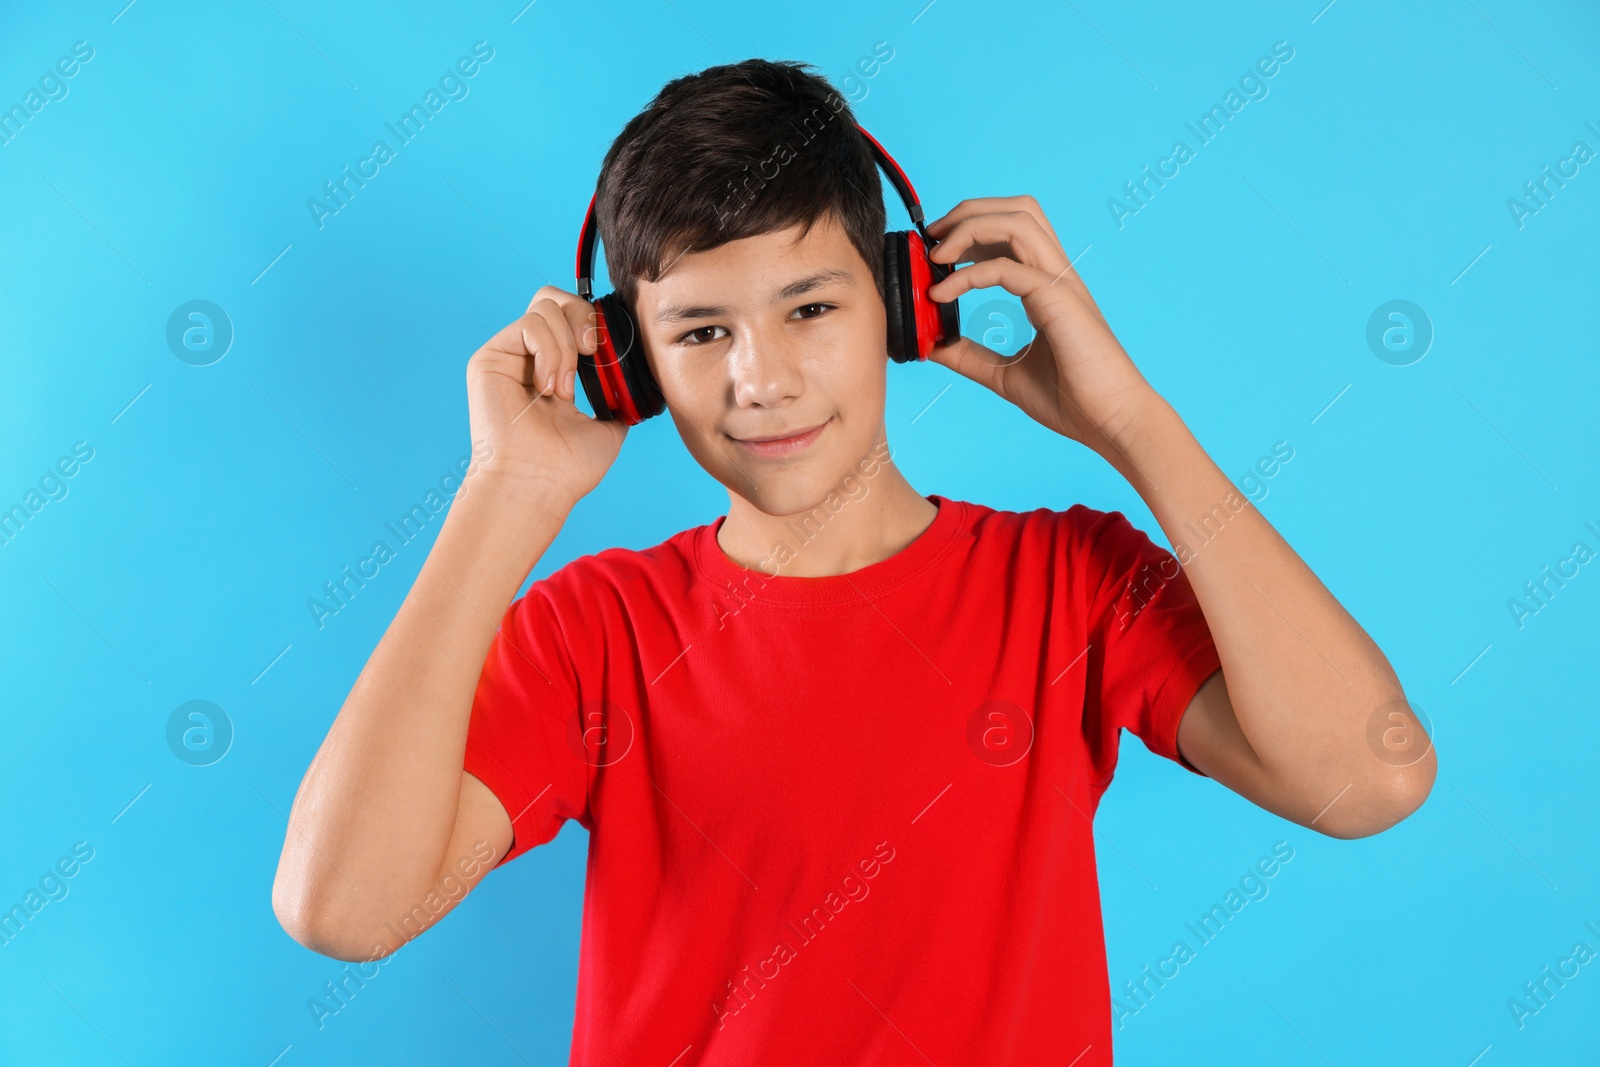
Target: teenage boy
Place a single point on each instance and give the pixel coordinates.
(839, 751)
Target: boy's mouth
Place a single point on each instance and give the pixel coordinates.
(783, 444)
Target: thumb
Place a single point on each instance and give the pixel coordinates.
(970, 359)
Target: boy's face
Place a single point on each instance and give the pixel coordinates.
(771, 336)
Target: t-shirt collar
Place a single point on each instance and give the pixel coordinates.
(873, 579)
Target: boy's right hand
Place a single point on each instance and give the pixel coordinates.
(520, 390)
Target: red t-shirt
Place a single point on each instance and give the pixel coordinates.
(847, 819)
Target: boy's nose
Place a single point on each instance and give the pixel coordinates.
(765, 373)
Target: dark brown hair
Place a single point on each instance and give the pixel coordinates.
(735, 151)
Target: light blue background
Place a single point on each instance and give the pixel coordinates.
(179, 565)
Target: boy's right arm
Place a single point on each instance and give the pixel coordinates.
(385, 812)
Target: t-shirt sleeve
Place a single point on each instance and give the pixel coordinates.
(1150, 648)
(524, 740)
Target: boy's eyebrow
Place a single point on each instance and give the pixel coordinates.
(799, 287)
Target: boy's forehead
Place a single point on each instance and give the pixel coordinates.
(758, 265)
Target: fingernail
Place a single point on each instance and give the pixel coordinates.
(549, 385)
(566, 385)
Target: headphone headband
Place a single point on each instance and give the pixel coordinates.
(896, 176)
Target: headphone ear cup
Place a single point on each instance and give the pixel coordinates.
(933, 322)
(634, 369)
(617, 378)
(902, 328)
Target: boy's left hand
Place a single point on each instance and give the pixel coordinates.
(1074, 376)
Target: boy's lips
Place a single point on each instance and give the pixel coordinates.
(785, 444)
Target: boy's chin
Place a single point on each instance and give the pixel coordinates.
(794, 491)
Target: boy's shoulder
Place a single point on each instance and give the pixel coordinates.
(1078, 526)
(1081, 548)
(671, 550)
(614, 569)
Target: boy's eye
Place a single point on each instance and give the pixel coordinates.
(696, 336)
(693, 336)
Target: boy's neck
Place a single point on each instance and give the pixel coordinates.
(865, 530)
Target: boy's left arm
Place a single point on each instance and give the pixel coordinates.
(1307, 718)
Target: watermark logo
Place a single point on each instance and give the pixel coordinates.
(1002, 326)
(1538, 192)
(1252, 886)
(999, 733)
(1254, 481)
(1537, 993)
(52, 87)
(199, 332)
(744, 987)
(1399, 333)
(853, 487)
(452, 85)
(867, 67)
(1537, 593)
(52, 886)
(338, 994)
(1142, 586)
(602, 734)
(1399, 733)
(339, 592)
(52, 485)
(199, 733)
(741, 193)
(1138, 193)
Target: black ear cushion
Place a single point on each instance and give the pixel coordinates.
(629, 347)
(624, 339)
(896, 286)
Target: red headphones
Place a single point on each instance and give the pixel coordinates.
(617, 378)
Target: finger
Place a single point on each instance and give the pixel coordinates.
(585, 323)
(969, 209)
(523, 341)
(981, 205)
(973, 360)
(550, 292)
(544, 353)
(1062, 271)
(580, 318)
(1018, 279)
(982, 237)
(508, 353)
(556, 317)
(616, 427)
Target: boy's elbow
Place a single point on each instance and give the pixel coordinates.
(313, 926)
(333, 942)
(299, 917)
(1409, 788)
(1396, 794)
